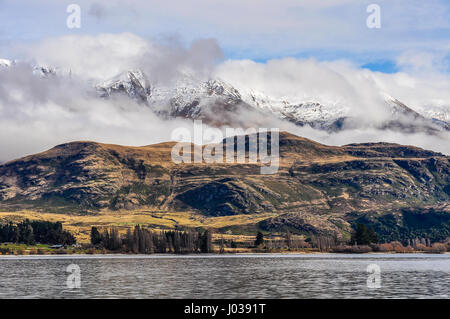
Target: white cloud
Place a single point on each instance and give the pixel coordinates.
(36, 113)
(103, 56)
(254, 28)
(98, 57)
(343, 83)
(420, 62)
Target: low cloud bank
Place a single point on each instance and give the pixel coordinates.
(39, 112)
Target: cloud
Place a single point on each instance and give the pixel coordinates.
(341, 83)
(367, 135)
(337, 84)
(105, 55)
(37, 113)
(424, 61)
(168, 58)
(257, 29)
(360, 93)
(96, 57)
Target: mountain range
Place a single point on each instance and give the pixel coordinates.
(218, 103)
(403, 190)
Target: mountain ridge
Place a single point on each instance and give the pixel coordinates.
(317, 189)
(216, 102)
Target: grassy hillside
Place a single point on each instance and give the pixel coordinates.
(317, 189)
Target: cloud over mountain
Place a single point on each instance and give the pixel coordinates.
(39, 111)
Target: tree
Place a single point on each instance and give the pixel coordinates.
(363, 235)
(25, 232)
(96, 238)
(288, 239)
(222, 246)
(36, 231)
(259, 239)
(8, 233)
(206, 242)
(373, 237)
(115, 240)
(129, 241)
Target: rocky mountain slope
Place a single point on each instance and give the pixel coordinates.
(215, 99)
(317, 189)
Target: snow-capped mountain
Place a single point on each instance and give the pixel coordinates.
(133, 83)
(214, 100)
(299, 110)
(37, 69)
(190, 97)
(437, 111)
(184, 97)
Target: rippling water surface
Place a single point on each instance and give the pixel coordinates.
(229, 276)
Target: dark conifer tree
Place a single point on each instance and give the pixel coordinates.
(96, 238)
(259, 239)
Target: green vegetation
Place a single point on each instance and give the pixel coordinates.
(320, 193)
(259, 239)
(410, 224)
(145, 241)
(96, 238)
(364, 235)
(35, 232)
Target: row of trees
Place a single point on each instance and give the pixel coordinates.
(144, 241)
(31, 232)
(362, 236)
(322, 243)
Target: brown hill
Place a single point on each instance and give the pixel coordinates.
(317, 188)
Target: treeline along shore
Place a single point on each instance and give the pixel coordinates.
(44, 237)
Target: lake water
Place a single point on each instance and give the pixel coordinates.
(226, 276)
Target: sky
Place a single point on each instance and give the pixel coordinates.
(251, 29)
(319, 49)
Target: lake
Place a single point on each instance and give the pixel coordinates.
(226, 276)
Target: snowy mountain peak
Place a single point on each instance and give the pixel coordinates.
(191, 97)
(133, 82)
(40, 70)
(44, 71)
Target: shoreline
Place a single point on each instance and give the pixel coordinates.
(202, 255)
(14, 249)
